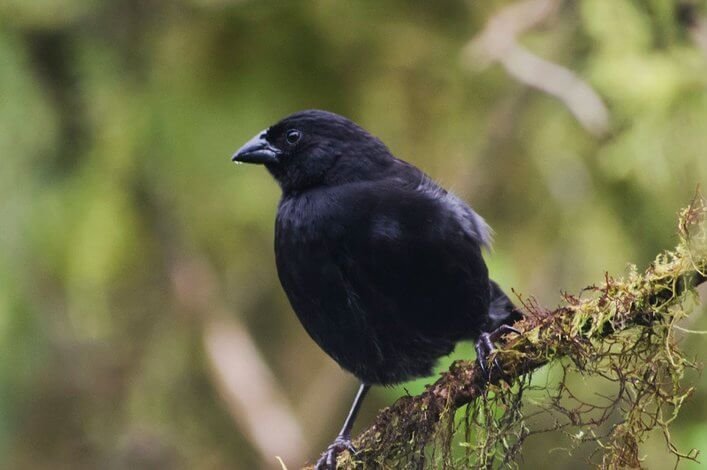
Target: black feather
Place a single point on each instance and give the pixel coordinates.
(382, 266)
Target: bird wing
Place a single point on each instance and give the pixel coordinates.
(412, 261)
(384, 275)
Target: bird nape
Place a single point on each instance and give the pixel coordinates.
(382, 266)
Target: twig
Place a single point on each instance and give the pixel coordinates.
(242, 378)
(498, 43)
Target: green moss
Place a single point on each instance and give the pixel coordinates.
(621, 330)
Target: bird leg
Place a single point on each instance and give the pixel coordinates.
(343, 441)
(485, 346)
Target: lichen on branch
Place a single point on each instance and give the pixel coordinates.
(621, 330)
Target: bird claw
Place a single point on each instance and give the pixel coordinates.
(502, 330)
(485, 347)
(328, 459)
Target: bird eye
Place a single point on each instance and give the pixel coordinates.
(293, 136)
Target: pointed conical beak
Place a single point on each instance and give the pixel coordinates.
(257, 150)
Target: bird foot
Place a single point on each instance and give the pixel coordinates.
(485, 347)
(328, 459)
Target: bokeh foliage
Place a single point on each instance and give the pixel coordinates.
(117, 122)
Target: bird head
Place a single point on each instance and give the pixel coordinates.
(316, 148)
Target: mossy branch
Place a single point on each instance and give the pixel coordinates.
(621, 329)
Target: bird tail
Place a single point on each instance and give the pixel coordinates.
(501, 310)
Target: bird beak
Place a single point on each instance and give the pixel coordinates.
(257, 150)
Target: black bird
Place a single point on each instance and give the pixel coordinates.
(382, 266)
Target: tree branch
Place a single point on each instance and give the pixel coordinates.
(498, 42)
(587, 329)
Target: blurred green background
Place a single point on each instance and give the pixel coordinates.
(141, 321)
